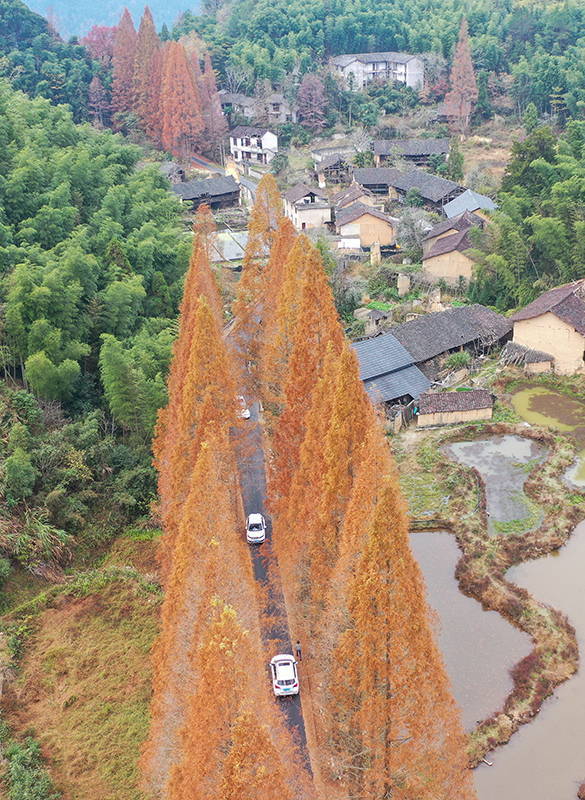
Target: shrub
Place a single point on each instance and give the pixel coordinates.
(27, 776)
(21, 476)
(458, 360)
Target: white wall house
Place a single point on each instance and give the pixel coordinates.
(306, 207)
(359, 69)
(253, 145)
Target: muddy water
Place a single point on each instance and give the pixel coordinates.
(541, 406)
(546, 759)
(503, 463)
(478, 646)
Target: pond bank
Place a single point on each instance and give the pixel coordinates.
(486, 558)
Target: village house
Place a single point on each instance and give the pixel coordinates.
(217, 192)
(414, 151)
(448, 259)
(360, 69)
(174, 172)
(306, 207)
(388, 372)
(373, 318)
(395, 185)
(335, 169)
(276, 107)
(354, 193)
(255, 145)
(448, 227)
(470, 201)
(447, 408)
(431, 337)
(369, 225)
(554, 324)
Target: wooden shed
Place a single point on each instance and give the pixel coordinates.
(447, 408)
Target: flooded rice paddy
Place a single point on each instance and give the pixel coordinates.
(540, 405)
(545, 760)
(479, 647)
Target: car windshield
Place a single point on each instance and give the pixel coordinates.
(254, 526)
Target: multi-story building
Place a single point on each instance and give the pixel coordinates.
(255, 145)
(359, 69)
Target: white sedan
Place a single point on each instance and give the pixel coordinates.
(285, 679)
(242, 409)
(255, 529)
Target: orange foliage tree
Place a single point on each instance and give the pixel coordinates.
(123, 68)
(182, 124)
(147, 43)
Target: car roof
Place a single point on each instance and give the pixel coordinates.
(283, 657)
(255, 518)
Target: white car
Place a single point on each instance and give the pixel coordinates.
(255, 529)
(242, 409)
(285, 679)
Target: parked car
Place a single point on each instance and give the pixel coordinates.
(255, 529)
(285, 679)
(242, 409)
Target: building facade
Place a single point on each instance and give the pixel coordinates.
(358, 70)
(255, 145)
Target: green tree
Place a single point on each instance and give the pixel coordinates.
(21, 476)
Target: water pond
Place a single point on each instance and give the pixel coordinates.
(546, 759)
(479, 647)
(540, 405)
(504, 463)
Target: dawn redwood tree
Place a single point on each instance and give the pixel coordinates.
(97, 100)
(317, 329)
(459, 101)
(312, 102)
(182, 124)
(147, 43)
(154, 122)
(215, 122)
(395, 723)
(123, 68)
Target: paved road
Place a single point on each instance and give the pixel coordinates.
(248, 443)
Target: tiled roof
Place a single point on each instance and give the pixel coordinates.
(357, 210)
(369, 58)
(469, 201)
(432, 334)
(461, 222)
(350, 195)
(440, 402)
(381, 355)
(411, 147)
(448, 244)
(431, 187)
(331, 161)
(370, 176)
(564, 302)
(515, 353)
(302, 190)
(407, 381)
(247, 130)
(210, 187)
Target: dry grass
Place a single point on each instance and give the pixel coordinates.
(85, 680)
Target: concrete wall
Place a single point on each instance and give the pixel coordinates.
(452, 417)
(551, 335)
(449, 266)
(309, 214)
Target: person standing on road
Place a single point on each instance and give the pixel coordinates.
(298, 651)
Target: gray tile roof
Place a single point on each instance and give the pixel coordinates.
(350, 195)
(565, 302)
(331, 161)
(515, 353)
(440, 402)
(387, 369)
(209, 187)
(469, 201)
(371, 176)
(411, 147)
(371, 58)
(432, 334)
(432, 187)
(302, 190)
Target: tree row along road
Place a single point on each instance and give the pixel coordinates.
(276, 634)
